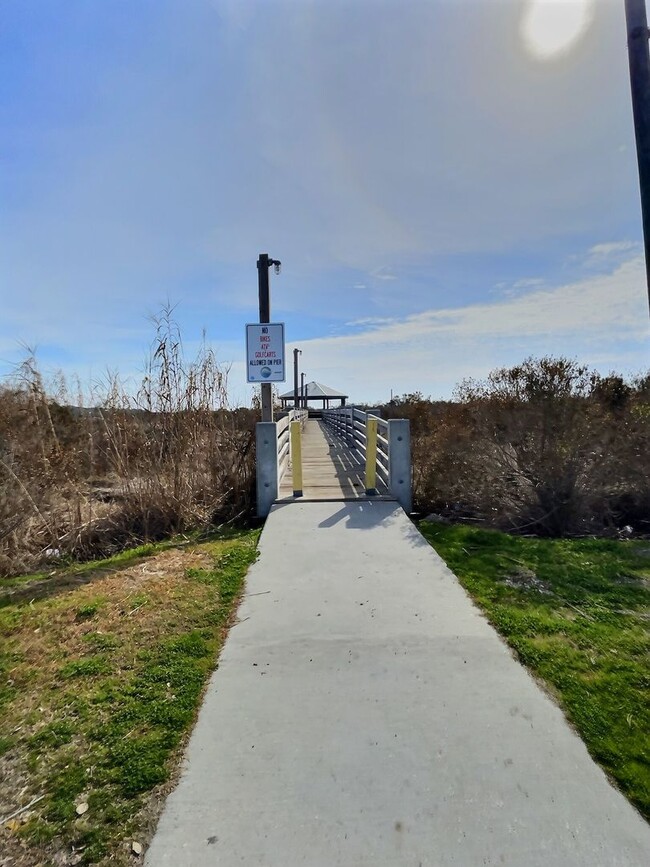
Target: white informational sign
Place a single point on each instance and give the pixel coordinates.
(265, 352)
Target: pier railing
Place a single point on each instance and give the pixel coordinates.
(273, 448)
(284, 438)
(384, 447)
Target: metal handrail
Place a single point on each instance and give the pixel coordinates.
(349, 424)
(283, 427)
(388, 458)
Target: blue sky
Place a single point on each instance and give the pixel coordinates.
(447, 189)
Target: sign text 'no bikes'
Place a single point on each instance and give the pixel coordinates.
(265, 352)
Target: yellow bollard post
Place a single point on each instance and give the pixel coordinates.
(371, 456)
(296, 458)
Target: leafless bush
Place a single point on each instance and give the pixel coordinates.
(84, 481)
(546, 447)
(440, 442)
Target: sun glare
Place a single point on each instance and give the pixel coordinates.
(552, 27)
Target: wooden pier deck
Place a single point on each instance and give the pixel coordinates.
(329, 470)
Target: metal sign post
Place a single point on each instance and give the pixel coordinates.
(296, 353)
(263, 265)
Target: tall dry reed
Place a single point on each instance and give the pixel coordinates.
(84, 481)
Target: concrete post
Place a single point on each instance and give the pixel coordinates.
(266, 459)
(399, 461)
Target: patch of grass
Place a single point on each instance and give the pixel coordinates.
(85, 667)
(101, 641)
(38, 832)
(55, 734)
(577, 613)
(89, 609)
(107, 680)
(67, 781)
(204, 576)
(6, 744)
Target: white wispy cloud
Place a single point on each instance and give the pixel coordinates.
(614, 247)
(528, 283)
(370, 321)
(382, 274)
(603, 320)
(389, 154)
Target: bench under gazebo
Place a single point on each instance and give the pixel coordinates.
(312, 392)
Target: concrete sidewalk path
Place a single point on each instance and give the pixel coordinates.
(365, 713)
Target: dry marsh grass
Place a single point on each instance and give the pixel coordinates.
(85, 481)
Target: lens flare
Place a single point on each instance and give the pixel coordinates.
(552, 27)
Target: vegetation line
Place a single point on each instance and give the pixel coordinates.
(546, 447)
(83, 478)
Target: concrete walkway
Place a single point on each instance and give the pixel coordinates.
(365, 713)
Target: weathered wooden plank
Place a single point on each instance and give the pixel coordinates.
(330, 470)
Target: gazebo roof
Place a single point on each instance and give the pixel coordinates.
(314, 390)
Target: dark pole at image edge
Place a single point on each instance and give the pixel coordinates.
(639, 59)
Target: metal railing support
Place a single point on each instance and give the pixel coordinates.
(399, 461)
(384, 445)
(266, 450)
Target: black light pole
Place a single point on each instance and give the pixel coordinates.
(296, 353)
(303, 402)
(637, 48)
(263, 265)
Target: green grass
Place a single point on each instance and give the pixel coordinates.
(105, 681)
(577, 614)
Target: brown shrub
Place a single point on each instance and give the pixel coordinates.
(545, 447)
(84, 482)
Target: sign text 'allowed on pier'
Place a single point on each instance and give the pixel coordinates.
(265, 352)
